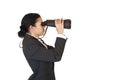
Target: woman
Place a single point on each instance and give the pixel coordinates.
(40, 56)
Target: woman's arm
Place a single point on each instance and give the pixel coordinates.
(33, 50)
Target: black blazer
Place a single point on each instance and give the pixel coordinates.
(41, 59)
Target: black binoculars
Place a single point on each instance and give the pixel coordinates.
(67, 23)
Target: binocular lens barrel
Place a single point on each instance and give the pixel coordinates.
(67, 23)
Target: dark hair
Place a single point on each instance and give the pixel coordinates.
(28, 19)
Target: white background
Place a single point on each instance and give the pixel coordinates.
(92, 51)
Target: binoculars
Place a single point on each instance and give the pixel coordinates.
(51, 23)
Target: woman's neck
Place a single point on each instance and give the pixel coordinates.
(31, 34)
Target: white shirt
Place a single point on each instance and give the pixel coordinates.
(59, 35)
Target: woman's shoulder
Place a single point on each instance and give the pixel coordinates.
(29, 40)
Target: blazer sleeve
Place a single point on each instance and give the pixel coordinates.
(36, 52)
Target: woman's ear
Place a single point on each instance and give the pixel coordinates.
(30, 27)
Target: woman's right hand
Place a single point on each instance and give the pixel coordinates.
(59, 26)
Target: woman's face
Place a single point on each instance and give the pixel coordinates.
(38, 30)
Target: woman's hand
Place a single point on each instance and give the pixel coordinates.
(59, 26)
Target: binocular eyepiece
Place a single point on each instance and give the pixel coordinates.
(67, 23)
